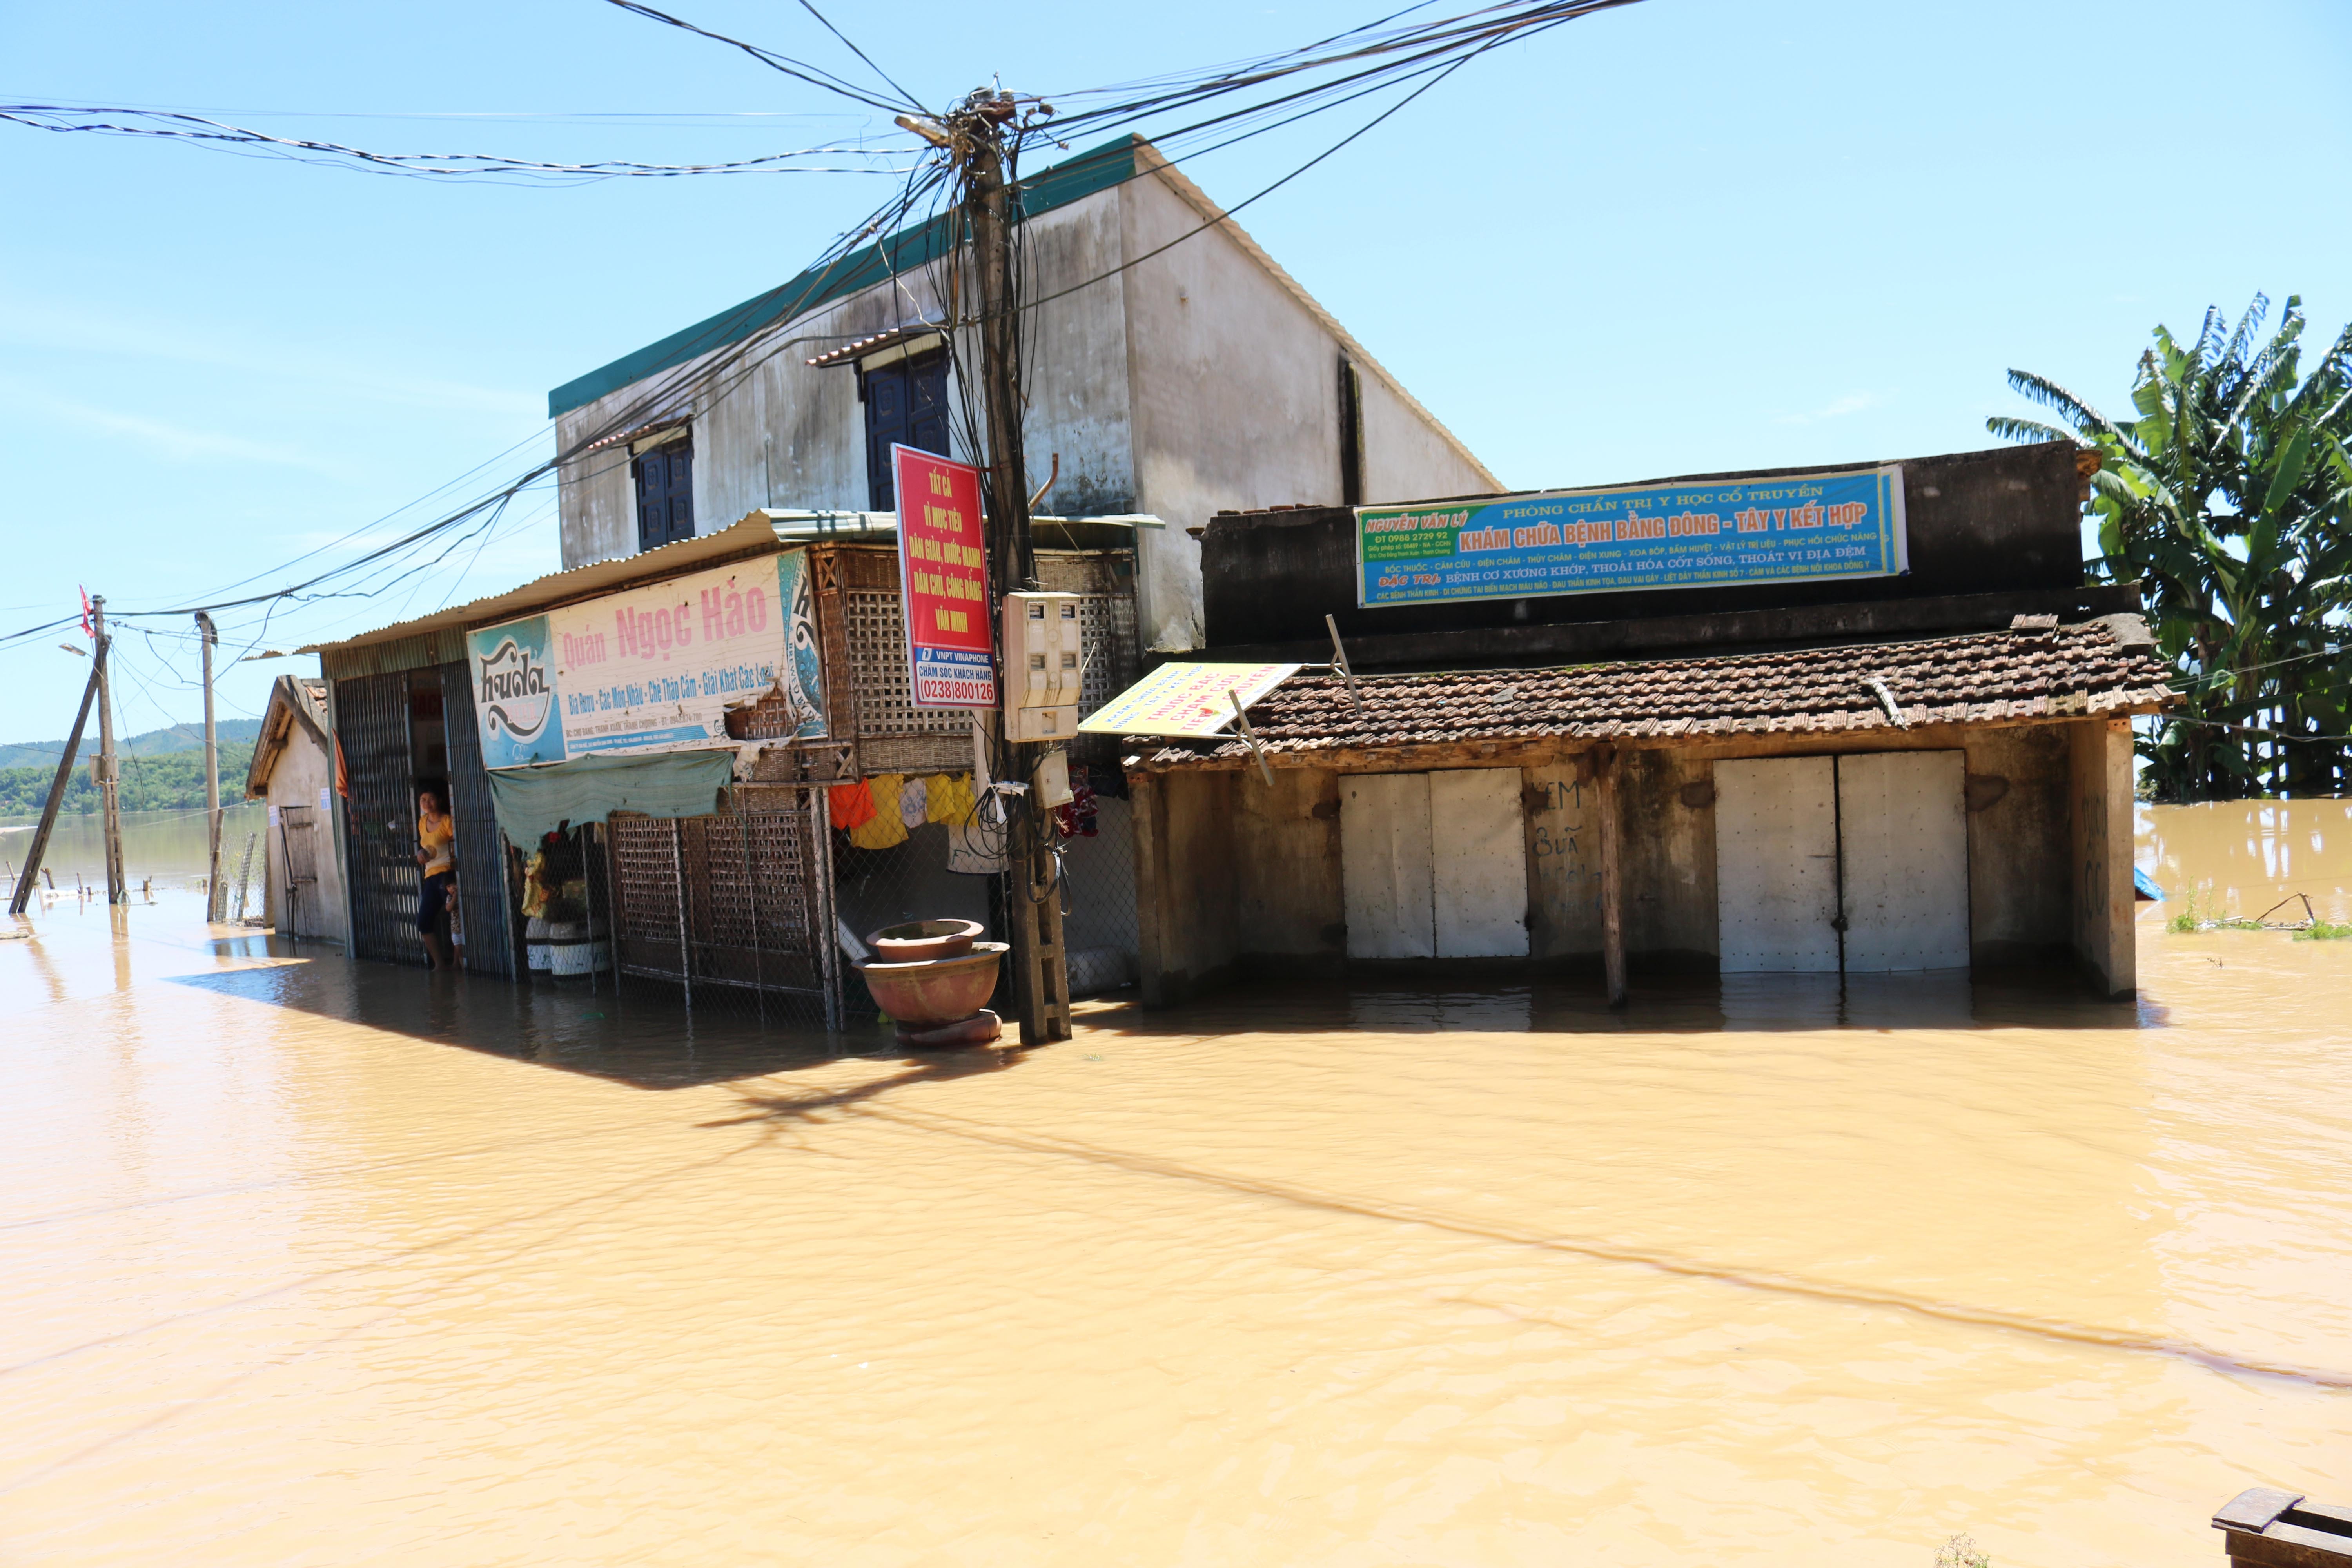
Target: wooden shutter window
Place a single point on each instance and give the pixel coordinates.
(665, 481)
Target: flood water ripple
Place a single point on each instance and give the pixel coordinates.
(309, 1262)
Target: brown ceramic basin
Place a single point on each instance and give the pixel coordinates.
(917, 940)
(936, 991)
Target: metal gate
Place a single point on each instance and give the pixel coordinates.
(741, 902)
(372, 722)
(488, 894)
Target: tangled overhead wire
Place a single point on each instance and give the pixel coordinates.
(170, 125)
(1277, 89)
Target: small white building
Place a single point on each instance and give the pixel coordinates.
(293, 769)
(1172, 370)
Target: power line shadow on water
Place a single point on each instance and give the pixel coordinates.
(640, 1035)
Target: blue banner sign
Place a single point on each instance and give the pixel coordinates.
(1707, 534)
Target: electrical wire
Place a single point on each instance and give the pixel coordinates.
(801, 70)
(1429, 52)
(167, 125)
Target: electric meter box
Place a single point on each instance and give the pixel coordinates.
(1043, 662)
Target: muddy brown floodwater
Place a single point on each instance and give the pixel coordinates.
(1302, 1275)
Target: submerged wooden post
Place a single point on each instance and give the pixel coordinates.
(1148, 810)
(1613, 922)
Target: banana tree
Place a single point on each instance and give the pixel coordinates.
(2229, 499)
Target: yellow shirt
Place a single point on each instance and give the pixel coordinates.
(435, 837)
(887, 827)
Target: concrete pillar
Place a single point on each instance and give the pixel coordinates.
(2100, 796)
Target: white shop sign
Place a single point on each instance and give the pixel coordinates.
(649, 669)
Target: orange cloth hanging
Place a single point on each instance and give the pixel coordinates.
(851, 805)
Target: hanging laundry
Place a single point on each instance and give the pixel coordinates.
(950, 798)
(1076, 820)
(914, 804)
(883, 828)
(850, 805)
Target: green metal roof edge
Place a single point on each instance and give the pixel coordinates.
(1097, 169)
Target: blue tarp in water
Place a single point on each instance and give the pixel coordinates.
(534, 802)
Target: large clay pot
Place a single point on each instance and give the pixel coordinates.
(918, 940)
(936, 991)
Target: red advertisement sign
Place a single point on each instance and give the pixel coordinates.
(944, 578)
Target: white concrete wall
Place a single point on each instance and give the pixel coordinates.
(1200, 379)
(301, 772)
(1235, 378)
(774, 432)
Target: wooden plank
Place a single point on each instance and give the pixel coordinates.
(1540, 751)
(1385, 865)
(1612, 890)
(1903, 848)
(1147, 820)
(1776, 865)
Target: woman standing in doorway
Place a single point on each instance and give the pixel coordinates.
(437, 835)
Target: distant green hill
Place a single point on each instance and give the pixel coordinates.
(156, 782)
(153, 744)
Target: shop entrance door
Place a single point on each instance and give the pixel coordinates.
(1855, 864)
(1434, 864)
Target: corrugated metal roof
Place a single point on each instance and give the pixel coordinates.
(877, 342)
(437, 638)
(579, 582)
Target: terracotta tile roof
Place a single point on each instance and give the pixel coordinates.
(2029, 673)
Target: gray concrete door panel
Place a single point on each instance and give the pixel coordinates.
(1434, 864)
(1905, 856)
(1852, 864)
(1776, 846)
(1478, 837)
(1385, 866)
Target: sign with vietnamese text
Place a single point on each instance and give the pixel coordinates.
(943, 582)
(1704, 533)
(650, 669)
(1189, 700)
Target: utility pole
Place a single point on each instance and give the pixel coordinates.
(973, 135)
(110, 802)
(209, 634)
(26, 881)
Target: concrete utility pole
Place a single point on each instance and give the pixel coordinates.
(23, 896)
(209, 634)
(973, 134)
(110, 801)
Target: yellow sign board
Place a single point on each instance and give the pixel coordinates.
(1186, 700)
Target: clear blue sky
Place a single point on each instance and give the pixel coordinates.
(1684, 236)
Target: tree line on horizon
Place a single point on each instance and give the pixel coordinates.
(2228, 500)
(173, 781)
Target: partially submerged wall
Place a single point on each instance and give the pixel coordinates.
(1250, 875)
(2099, 754)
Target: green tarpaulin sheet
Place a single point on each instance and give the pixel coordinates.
(534, 802)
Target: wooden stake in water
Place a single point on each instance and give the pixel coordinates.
(244, 876)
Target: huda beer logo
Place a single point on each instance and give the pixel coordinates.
(514, 691)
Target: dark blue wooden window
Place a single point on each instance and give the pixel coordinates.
(664, 478)
(905, 404)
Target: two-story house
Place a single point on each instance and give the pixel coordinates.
(1171, 368)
